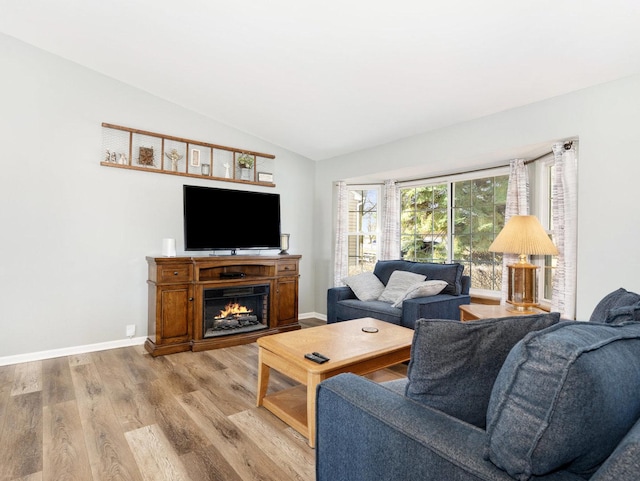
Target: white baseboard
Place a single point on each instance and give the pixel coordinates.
(102, 346)
(70, 351)
(312, 315)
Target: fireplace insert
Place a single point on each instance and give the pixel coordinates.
(232, 310)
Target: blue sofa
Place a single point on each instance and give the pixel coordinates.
(343, 305)
(562, 403)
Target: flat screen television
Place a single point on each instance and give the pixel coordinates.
(225, 219)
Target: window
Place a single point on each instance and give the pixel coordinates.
(363, 229)
(424, 223)
(456, 220)
(545, 172)
(478, 217)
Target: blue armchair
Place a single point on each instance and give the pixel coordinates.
(343, 305)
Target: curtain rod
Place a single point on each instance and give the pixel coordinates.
(567, 146)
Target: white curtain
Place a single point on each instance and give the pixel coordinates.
(517, 204)
(390, 240)
(341, 267)
(565, 228)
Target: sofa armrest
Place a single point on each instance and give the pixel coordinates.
(466, 285)
(622, 464)
(334, 295)
(366, 432)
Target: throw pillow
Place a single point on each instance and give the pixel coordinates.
(618, 298)
(366, 286)
(565, 397)
(398, 283)
(421, 289)
(454, 364)
(452, 273)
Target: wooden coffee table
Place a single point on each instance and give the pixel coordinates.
(349, 349)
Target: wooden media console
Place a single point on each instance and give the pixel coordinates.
(183, 292)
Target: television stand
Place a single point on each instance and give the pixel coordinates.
(177, 300)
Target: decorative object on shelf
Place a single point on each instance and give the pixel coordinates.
(245, 161)
(113, 157)
(205, 169)
(122, 160)
(174, 157)
(265, 177)
(523, 235)
(284, 244)
(145, 156)
(227, 175)
(195, 158)
(107, 157)
(168, 247)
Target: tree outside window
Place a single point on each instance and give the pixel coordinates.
(424, 221)
(478, 217)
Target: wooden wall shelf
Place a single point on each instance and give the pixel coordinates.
(134, 149)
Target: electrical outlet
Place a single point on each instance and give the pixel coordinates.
(131, 330)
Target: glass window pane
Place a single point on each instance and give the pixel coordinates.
(478, 218)
(363, 225)
(462, 194)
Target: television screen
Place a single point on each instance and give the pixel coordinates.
(222, 219)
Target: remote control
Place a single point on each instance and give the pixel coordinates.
(322, 356)
(314, 358)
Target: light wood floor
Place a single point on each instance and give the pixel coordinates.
(123, 415)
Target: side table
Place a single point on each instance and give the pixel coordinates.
(472, 312)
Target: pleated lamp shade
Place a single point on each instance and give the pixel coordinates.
(523, 234)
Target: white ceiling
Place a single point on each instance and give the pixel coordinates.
(325, 78)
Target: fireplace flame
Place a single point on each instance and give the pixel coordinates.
(233, 309)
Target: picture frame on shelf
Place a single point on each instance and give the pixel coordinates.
(145, 156)
(265, 177)
(195, 157)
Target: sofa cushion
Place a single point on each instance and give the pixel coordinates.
(366, 286)
(454, 364)
(398, 284)
(452, 273)
(565, 397)
(355, 309)
(421, 289)
(618, 298)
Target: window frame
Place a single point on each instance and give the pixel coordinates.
(542, 208)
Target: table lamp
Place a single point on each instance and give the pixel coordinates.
(523, 235)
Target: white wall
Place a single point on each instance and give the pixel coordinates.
(606, 119)
(73, 234)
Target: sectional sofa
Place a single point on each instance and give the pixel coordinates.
(524, 398)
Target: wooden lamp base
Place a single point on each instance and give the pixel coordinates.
(523, 287)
